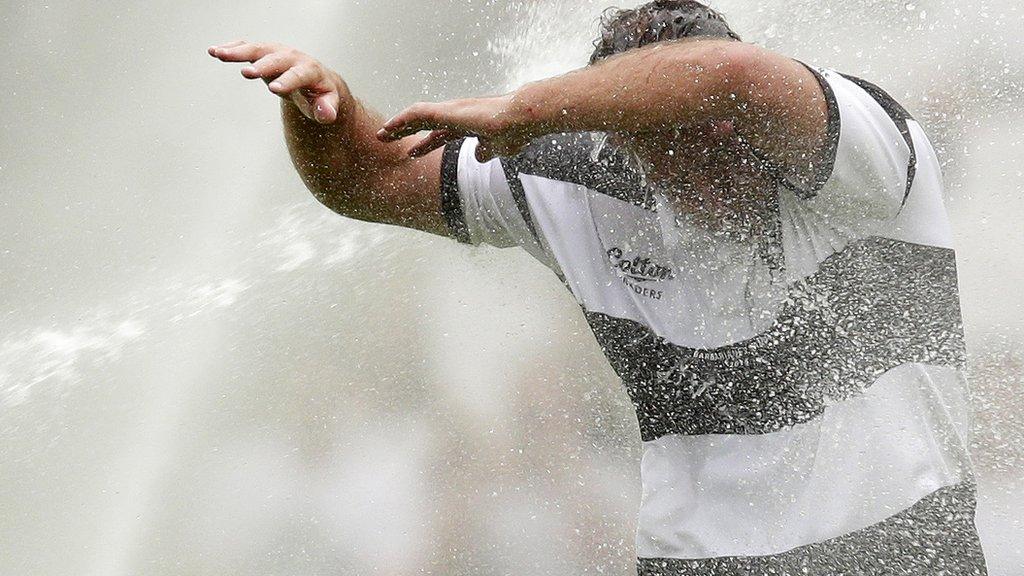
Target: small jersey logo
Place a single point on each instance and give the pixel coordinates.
(639, 273)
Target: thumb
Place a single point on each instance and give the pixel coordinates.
(325, 108)
(489, 149)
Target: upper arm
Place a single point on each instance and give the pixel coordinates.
(844, 142)
(782, 111)
(348, 170)
(448, 192)
(407, 193)
(774, 104)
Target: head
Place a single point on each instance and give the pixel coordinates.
(657, 21)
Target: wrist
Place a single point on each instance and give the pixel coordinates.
(524, 115)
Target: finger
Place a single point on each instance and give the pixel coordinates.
(433, 141)
(487, 150)
(418, 117)
(484, 151)
(325, 108)
(245, 52)
(301, 76)
(270, 66)
(218, 49)
(212, 50)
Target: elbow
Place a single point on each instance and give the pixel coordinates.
(313, 178)
(738, 69)
(353, 197)
(325, 189)
(723, 73)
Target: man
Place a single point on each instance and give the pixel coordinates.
(761, 249)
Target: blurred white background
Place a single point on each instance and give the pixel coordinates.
(203, 371)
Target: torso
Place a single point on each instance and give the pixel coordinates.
(795, 388)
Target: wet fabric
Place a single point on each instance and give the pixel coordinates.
(801, 398)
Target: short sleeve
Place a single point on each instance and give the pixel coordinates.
(865, 174)
(481, 205)
(869, 163)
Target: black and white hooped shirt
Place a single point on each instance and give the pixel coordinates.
(802, 417)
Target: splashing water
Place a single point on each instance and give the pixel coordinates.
(300, 411)
(550, 38)
(49, 360)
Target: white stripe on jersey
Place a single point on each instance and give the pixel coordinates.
(865, 459)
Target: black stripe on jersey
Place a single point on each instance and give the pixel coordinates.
(827, 159)
(519, 195)
(567, 157)
(935, 536)
(899, 116)
(451, 203)
(871, 307)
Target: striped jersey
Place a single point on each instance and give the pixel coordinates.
(801, 398)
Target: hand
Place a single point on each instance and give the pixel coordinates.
(488, 119)
(289, 74)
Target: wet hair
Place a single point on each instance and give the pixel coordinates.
(625, 29)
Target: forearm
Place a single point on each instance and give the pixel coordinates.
(338, 161)
(641, 91)
(331, 138)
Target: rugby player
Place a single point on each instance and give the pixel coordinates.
(761, 249)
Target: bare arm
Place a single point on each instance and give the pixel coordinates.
(772, 101)
(330, 136)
